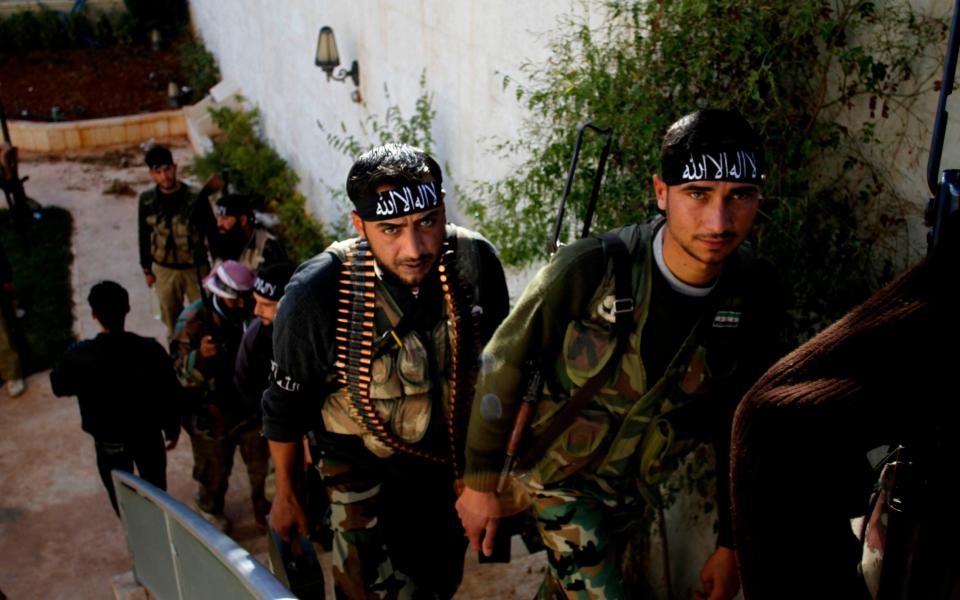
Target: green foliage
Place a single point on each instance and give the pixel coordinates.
(46, 29)
(42, 280)
(818, 80)
(199, 65)
(258, 171)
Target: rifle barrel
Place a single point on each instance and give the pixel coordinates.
(595, 192)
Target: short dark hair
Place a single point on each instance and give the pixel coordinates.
(158, 156)
(110, 304)
(391, 164)
(709, 129)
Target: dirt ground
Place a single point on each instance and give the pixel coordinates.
(87, 83)
(58, 536)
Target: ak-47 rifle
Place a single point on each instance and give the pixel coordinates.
(917, 552)
(526, 410)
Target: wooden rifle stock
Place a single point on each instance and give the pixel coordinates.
(520, 424)
(525, 413)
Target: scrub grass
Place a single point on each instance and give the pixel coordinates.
(41, 274)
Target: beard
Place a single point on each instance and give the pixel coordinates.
(231, 243)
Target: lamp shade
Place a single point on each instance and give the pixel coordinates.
(327, 56)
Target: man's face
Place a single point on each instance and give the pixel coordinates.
(235, 309)
(706, 221)
(406, 246)
(225, 223)
(265, 308)
(165, 176)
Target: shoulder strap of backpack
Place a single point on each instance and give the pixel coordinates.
(614, 248)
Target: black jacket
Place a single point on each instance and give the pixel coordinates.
(125, 384)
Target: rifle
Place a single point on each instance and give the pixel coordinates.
(525, 413)
(914, 554)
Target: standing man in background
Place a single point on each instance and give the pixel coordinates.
(11, 368)
(173, 226)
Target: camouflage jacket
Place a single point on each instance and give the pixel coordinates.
(633, 426)
(210, 380)
(172, 228)
(262, 249)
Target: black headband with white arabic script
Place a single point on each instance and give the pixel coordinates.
(735, 165)
(400, 201)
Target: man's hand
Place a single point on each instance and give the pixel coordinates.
(480, 514)
(286, 515)
(172, 443)
(307, 457)
(719, 576)
(150, 278)
(208, 348)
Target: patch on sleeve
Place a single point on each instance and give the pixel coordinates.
(727, 318)
(491, 408)
(487, 362)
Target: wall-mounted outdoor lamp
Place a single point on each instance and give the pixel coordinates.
(328, 59)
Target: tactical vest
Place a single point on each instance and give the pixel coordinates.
(626, 429)
(173, 237)
(390, 376)
(252, 254)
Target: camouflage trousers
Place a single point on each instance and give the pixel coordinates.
(213, 461)
(579, 528)
(396, 534)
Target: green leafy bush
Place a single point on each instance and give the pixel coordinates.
(47, 29)
(819, 81)
(199, 65)
(258, 171)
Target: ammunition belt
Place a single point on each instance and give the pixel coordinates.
(355, 349)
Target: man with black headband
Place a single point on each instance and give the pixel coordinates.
(204, 350)
(241, 238)
(615, 418)
(376, 345)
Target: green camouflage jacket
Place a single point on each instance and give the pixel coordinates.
(633, 427)
(172, 228)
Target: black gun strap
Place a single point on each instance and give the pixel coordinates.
(616, 249)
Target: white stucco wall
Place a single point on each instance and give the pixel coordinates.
(464, 47)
